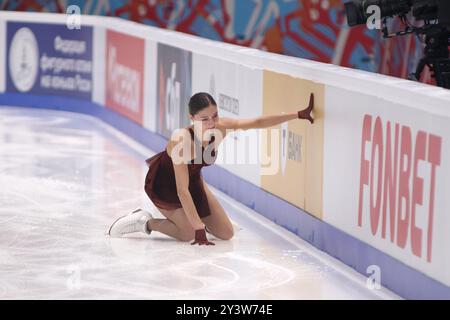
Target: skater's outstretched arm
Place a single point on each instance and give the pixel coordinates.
(269, 120)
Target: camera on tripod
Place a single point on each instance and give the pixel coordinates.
(435, 29)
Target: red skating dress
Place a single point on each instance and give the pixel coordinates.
(160, 184)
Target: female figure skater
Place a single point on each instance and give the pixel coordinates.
(174, 182)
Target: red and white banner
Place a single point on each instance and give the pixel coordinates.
(125, 74)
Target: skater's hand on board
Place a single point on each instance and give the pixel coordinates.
(306, 113)
(200, 238)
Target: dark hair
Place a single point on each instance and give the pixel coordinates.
(200, 101)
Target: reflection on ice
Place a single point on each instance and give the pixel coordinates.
(64, 177)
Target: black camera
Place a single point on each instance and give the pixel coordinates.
(435, 29)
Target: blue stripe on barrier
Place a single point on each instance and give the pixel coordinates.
(396, 276)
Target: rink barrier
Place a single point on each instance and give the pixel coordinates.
(405, 280)
(401, 278)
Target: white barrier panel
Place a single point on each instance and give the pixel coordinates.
(124, 70)
(238, 94)
(387, 176)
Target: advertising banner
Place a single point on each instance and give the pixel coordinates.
(292, 152)
(49, 59)
(174, 89)
(125, 74)
(386, 178)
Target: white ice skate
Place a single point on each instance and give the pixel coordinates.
(136, 221)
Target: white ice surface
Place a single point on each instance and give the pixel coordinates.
(65, 177)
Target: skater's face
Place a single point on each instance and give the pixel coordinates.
(207, 117)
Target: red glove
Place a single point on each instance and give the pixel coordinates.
(200, 238)
(306, 113)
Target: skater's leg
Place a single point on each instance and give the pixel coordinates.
(176, 225)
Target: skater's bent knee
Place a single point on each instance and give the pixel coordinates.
(226, 234)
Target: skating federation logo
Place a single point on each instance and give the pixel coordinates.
(23, 59)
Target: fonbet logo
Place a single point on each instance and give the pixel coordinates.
(172, 106)
(23, 59)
